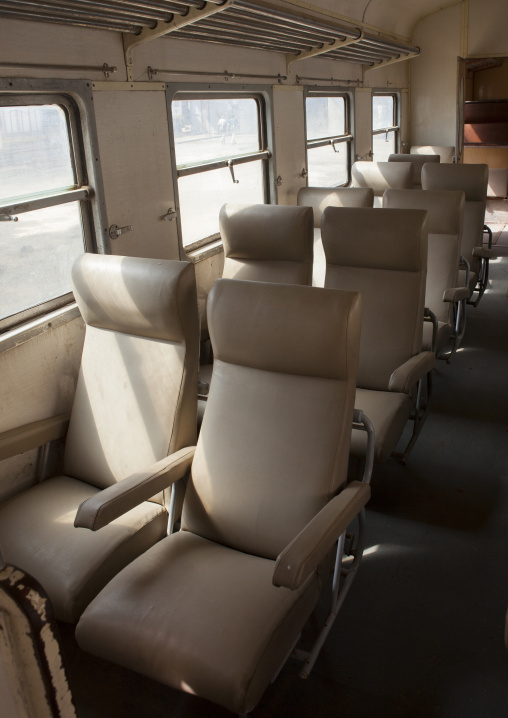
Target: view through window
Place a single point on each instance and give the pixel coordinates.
(384, 127)
(41, 228)
(220, 157)
(328, 140)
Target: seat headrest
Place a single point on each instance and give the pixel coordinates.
(393, 239)
(284, 328)
(320, 197)
(267, 232)
(417, 160)
(445, 152)
(470, 179)
(382, 175)
(133, 295)
(445, 209)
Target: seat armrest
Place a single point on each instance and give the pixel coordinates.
(304, 554)
(405, 376)
(483, 252)
(116, 500)
(456, 294)
(31, 436)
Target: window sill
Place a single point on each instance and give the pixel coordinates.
(206, 251)
(33, 328)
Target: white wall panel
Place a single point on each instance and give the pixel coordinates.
(39, 376)
(363, 123)
(488, 23)
(135, 162)
(434, 78)
(289, 141)
(43, 43)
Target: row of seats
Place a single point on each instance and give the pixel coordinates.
(426, 172)
(215, 607)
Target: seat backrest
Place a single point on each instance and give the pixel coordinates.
(473, 181)
(418, 160)
(446, 152)
(136, 395)
(267, 243)
(320, 197)
(383, 255)
(445, 217)
(381, 176)
(275, 438)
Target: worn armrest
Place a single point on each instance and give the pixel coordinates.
(405, 376)
(456, 294)
(116, 500)
(483, 252)
(303, 555)
(30, 436)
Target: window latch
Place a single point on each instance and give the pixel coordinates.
(334, 147)
(232, 170)
(8, 218)
(115, 231)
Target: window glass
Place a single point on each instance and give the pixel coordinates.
(209, 133)
(384, 127)
(36, 256)
(325, 117)
(382, 111)
(327, 167)
(328, 140)
(207, 130)
(38, 244)
(35, 152)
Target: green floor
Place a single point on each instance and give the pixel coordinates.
(421, 632)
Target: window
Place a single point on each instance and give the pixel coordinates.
(328, 140)
(221, 156)
(385, 129)
(43, 224)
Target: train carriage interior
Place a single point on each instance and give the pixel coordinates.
(253, 346)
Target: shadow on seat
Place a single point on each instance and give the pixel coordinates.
(473, 181)
(216, 608)
(443, 295)
(320, 197)
(135, 403)
(381, 176)
(262, 243)
(417, 160)
(383, 255)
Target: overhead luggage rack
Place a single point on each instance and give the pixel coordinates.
(240, 23)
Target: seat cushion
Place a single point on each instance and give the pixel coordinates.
(72, 564)
(388, 412)
(222, 630)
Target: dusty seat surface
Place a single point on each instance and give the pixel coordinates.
(199, 611)
(135, 402)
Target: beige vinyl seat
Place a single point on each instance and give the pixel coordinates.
(473, 181)
(215, 608)
(417, 161)
(264, 243)
(320, 197)
(443, 295)
(381, 176)
(135, 403)
(383, 255)
(446, 153)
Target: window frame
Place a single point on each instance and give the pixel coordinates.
(75, 98)
(395, 128)
(347, 138)
(263, 97)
